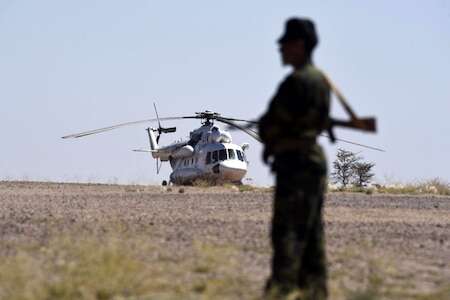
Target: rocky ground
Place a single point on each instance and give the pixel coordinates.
(379, 246)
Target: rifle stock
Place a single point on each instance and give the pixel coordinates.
(367, 124)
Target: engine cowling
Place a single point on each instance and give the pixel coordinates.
(185, 151)
(218, 136)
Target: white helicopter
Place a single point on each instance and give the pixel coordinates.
(209, 153)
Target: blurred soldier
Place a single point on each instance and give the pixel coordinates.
(297, 114)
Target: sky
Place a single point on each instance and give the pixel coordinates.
(70, 66)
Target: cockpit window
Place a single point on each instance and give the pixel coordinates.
(239, 155)
(215, 156)
(222, 154)
(208, 158)
(231, 154)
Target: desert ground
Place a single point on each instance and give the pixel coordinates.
(93, 241)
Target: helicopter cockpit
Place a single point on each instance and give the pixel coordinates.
(224, 154)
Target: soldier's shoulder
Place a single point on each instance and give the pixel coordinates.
(309, 75)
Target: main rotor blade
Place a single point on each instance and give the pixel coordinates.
(247, 131)
(357, 144)
(239, 120)
(99, 130)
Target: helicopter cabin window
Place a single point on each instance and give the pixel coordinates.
(222, 154)
(215, 156)
(231, 154)
(208, 158)
(239, 155)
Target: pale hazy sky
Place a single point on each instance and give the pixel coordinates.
(69, 66)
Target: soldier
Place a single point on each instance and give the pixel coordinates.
(297, 114)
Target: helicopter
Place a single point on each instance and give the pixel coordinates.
(209, 153)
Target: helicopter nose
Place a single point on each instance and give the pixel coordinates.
(233, 170)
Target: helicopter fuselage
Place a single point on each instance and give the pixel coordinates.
(209, 154)
(223, 162)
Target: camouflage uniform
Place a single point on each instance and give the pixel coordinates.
(296, 115)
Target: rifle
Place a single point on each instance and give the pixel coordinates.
(367, 124)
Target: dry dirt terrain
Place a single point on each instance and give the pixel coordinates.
(88, 241)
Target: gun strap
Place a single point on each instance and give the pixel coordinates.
(340, 97)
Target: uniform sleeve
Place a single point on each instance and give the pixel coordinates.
(298, 110)
(282, 111)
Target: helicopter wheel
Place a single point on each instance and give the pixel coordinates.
(164, 183)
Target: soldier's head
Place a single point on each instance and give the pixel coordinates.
(298, 41)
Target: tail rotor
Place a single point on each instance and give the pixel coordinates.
(160, 128)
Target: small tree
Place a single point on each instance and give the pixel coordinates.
(343, 167)
(362, 173)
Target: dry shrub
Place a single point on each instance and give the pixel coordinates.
(225, 279)
(370, 275)
(76, 268)
(435, 186)
(246, 188)
(231, 187)
(251, 188)
(204, 182)
(120, 267)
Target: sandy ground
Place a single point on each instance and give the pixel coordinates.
(406, 237)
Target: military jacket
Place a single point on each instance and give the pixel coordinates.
(298, 112)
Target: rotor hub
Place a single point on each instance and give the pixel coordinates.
(208, 115)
